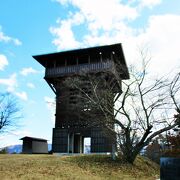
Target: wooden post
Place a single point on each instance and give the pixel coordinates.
(100, 56)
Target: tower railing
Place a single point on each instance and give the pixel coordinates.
(75, 69)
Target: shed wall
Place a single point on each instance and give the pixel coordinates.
(39, 147)
(27, 147)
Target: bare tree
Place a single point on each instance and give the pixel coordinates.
(147, 111)
(9, 113)
(144, 109)
(174, 90)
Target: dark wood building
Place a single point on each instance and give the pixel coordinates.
(32, 145)
(69, 134)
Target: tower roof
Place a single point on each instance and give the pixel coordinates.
(91, 51)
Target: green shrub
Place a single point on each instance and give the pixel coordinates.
(3, 151)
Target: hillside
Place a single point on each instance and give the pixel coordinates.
(13, 149)
(74, 167)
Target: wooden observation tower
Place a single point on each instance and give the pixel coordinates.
(69, 134)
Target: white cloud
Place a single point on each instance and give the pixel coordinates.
(21, 133)
(103, 14)
(62, 1)
(12, 138)
(22, 95)
(27, 71)
(64, 36)
(110, 24)
(149, 3)
(108, 16)
(17, 42)
(7, 39)
(50, 102)
(162, 35)
(3, 61)
(3, 37)
(31, 85)
(10, 82)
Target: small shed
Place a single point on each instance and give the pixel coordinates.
(32, 145)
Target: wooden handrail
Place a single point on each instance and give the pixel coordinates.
(73, 69)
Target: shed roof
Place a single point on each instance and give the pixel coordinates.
(78, 52)
(33, 138)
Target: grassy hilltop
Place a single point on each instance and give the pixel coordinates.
(83, 167)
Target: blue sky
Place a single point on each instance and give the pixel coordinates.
(32, 27)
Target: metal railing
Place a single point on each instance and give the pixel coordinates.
(75, 69)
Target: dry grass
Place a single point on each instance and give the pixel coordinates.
(74, 167)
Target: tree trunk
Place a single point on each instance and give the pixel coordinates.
(129, 154)
(113, 153)
(130, 157)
